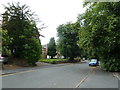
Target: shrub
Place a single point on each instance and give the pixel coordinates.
(53, 62)
(32, 51)
(111, 65)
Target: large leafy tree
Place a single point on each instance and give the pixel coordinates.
(100, 33)
(67, 42)
(51, 48)
(20, 23)
(5, 41)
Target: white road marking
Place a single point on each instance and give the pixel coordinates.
(84, 78)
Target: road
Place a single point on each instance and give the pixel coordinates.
(61, 76)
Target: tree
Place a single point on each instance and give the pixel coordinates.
(67, 42)
(100, 34)
(5, 41)
(32, 51)
(21, 25)
(51, 48)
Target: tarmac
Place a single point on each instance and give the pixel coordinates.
(40, 65)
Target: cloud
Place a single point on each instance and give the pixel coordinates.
(52, 13)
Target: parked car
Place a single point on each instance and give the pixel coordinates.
(3, 60)
(93, 62)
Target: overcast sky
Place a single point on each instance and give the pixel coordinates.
(52, 13)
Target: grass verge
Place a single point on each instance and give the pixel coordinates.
(53, 61)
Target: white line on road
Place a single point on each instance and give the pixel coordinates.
(84, 78)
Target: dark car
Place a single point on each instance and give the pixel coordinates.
(93, 62)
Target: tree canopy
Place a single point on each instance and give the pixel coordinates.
(51, 48)
(21, 26)
(67, 42)
(99, 33)
(6, 40)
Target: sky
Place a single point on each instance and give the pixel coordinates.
(52, 13)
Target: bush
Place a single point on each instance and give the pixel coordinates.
(111, 65)
(78, 59)
(32, 51)
(53, 62)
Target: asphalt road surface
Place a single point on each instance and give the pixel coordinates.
(61, 76)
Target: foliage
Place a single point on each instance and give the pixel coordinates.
(32, 51)
(5, 41)
(51, 48)
(51, 60)
(99, 35)
(20, 23)
(67, 42)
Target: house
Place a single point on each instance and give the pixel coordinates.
(44, 51)
(58, 55)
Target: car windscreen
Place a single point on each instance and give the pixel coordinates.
(93, 60)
